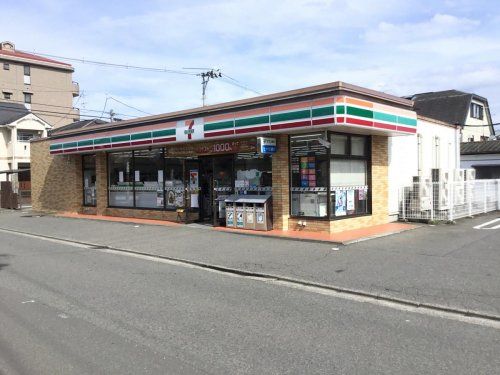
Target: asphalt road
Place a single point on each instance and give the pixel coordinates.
(71, 310)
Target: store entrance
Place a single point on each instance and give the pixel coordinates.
(216, 182)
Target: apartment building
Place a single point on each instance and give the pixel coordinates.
(43, 85)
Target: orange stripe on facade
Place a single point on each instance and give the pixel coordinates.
(287, 107)
(217, 118)
(252, 112)
(320, 102)
(339, 99)
(361, 103)
(393, 110)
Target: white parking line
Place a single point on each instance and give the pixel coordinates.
(482, 226)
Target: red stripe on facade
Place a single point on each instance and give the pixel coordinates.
(219, 133)
(122, 144)
(56, 152)
(384, 126)
(69, 150)
(137, 143)
(340, 119)
(289, 125)
(161, 140)
(407, 130)
(324, 121)
(357, 121)
(100, 147)
(87, 148)
(252, 130)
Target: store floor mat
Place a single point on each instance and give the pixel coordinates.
(345, 237)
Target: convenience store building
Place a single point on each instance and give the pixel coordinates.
(327, 172)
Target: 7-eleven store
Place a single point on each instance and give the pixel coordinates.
(328, 171)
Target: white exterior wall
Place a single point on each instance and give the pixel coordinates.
(405, 162)
(13, 151)
(476, 131)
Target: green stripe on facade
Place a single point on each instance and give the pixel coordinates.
(70, 145)
(87, 142)
(218, 125)
(120, 138)
(407, 121)
(288, 116)
(137, 136)
(360, 112)
(385, 117)
(101, 141)
(259, 120)
(340, 110)
(57, 146)
(163, 133)
(324, 111)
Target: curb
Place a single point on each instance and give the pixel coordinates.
(240, 272)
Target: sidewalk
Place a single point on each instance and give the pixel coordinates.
(344, 238)
(450, 265)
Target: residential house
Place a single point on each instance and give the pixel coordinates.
(484, 157)
(468, 110)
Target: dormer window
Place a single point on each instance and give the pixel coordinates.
(476, 111)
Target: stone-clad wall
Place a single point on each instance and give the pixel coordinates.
(56, 182)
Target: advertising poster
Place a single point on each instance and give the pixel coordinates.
(160, 176)
(250, 217)
(193, 179)
(120, 176)
(239, 219)
(230, 219)
(137, 176)
(194, 201)
(350, 200)
(361, 194)
(260, 218)
(340, 203)
(171, 198)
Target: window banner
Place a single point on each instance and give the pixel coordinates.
(350, 200)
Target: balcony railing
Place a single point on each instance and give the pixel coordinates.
(75, 89)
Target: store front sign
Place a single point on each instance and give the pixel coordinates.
(188, 130)
(266, 145)
(212, 148)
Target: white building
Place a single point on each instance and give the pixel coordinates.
(17, 127)
(436, 145)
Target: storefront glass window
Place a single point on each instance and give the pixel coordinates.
(349, 178)
(253, 173)
(174, 185)
(148, 178)
(339, 144)
(121, 179)
(89, 179)
(309, 177)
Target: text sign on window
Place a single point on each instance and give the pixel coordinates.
(266, 145)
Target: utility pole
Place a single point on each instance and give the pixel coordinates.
(205, 77)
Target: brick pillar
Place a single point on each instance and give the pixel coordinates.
(281, 184)
(380, 189)
(101, 170)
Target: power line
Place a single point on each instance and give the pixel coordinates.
(114, 65)
(129, 106)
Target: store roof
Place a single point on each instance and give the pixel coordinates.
(483, 147)
(10, 112)
(78, 125)
(328, 88)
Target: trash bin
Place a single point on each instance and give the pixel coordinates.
(240, 214)
(249, 215)
(230, 214)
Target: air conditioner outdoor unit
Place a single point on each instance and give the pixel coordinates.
(441, 188)
(470, 174)
(459, 186)
(422, 186)
(459, 175)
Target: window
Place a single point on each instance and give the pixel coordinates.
(476, 111)
(253, 173)
(6, 66)
(27, 70)
(27, 97)
(121, 182)
(24, 136)
(349, 176)
(7, 95)
(89, 180)
(148, 178)
(309, 175)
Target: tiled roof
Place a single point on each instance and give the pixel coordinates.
(30, 56)
(484, 147)
(450, 106)
(10, 112)
(79, 125)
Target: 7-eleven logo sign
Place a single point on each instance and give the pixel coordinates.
(188, 130)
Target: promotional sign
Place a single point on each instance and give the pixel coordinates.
(266, 145)
(340, 203)
(230, 219)
(350, 200)
(239, 219)
(193, 179)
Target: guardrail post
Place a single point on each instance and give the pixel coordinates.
(484, 197)
(469, 196)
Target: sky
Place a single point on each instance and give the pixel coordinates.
(398, 47)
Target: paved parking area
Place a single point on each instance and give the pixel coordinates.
(451, 265)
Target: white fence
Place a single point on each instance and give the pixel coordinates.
(447, 201)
